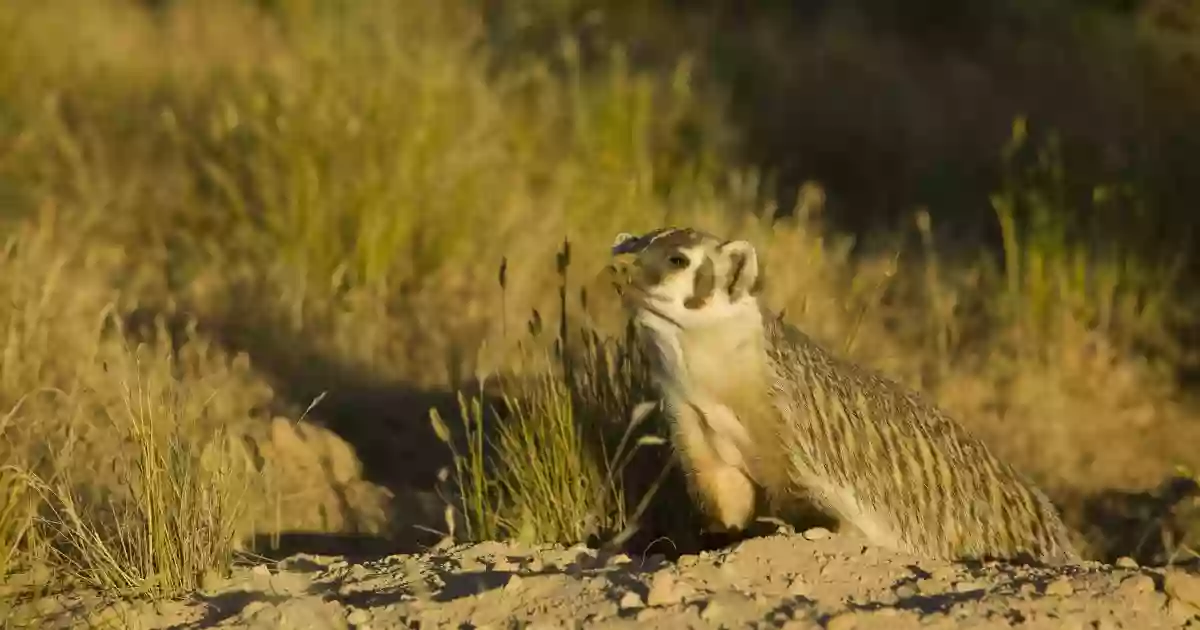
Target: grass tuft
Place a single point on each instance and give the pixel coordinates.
(181, 511)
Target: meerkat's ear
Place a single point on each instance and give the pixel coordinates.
(624, 243)
(743, 276)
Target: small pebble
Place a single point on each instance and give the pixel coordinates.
(630, 601)
(619, 559)
(358, 617)
(816, 533)
(1125, 562)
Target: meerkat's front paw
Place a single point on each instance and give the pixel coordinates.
(729, 499)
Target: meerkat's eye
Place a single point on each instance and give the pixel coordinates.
(678, 261)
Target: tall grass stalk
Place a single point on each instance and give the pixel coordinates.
(546, 470)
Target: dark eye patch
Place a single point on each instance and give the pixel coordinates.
(678, 261)
(705, 283)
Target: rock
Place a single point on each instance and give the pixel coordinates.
(797, 586)
(1179, 611)
(1060, 588)
(816, 533)
(1135, 585)
(927, 586)
(944, 574)
(1125, 562)
(1184, 587)
(514, 583)
(967, 586)
(619, 559)
(631, 601)
(712, 611)
(662, 590)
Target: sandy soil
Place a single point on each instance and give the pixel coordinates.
(814, 580)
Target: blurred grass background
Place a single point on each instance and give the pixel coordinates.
(249, 245)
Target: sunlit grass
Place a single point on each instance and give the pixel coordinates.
(334, 184)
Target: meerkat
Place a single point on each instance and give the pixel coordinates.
(763, 417)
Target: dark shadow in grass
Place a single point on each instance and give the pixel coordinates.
(354, 547)
(386, 423)
(1141, 525)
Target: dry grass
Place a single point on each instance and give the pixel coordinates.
(176, 515)
(328, 189)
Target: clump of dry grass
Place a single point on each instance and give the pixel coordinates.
(119, 470)
(178, 507)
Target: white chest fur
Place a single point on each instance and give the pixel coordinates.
(708, 369)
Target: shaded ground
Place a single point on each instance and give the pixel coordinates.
(815, 580)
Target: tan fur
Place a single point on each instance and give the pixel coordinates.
(754, 404)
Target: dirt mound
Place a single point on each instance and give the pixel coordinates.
(815, 580)
(314, 481)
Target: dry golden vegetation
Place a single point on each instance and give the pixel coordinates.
(247, 247)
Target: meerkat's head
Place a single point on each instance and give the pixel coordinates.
(686, 279)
